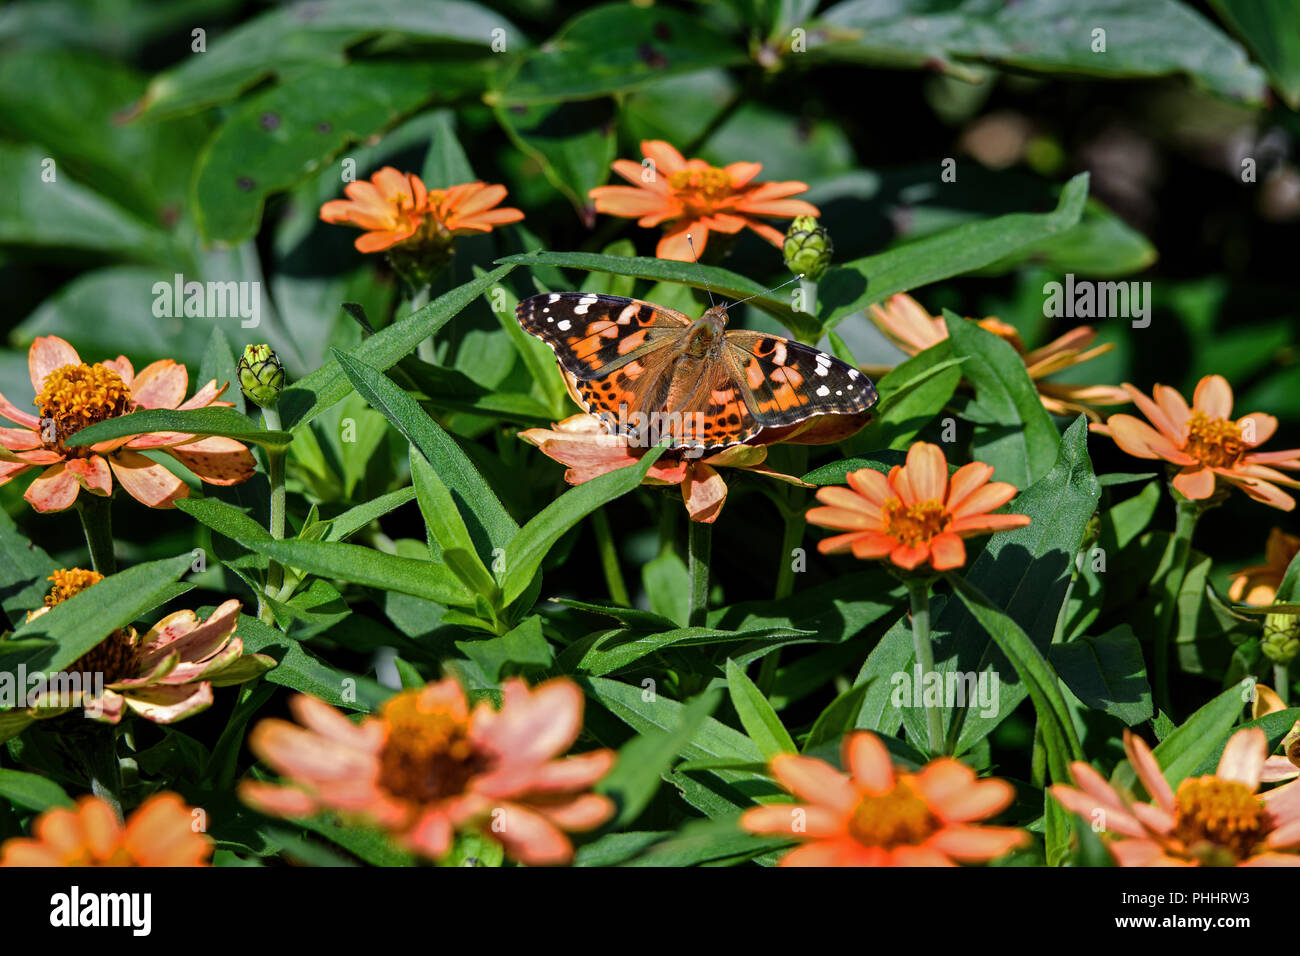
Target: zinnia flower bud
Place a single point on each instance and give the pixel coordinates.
(807, 247)
(1281, 642)
(261, 376)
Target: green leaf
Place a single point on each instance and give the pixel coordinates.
(536, 354)
(1275, 726)
(301, 670)
(24, 570)
(642, 761)
(581, 62)
(448, 529)
(524, 645)
(445, 164)
(1024, 572)
(723, 282)
(573, 143)
(1022, 444)
(1155, 38)
(305, 399)
(839, 717)
(1188, 747)
(354, 519)
(311, 34)
(911, 394)
(369, 568)
(1053, 715)
(853, 286)
(200, 422)
(280, 137)
(607, 651)
(646, 711)
(1271, 29)
(224, 519)
(84, 620)
(493, 527)
(32, 791)
(534, 541)
(1107, 673)
(756, 714)
(63, 214)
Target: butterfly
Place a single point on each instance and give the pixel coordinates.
(652, 373)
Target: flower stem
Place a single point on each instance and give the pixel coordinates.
(792, 512)
(99, 758)
(808, 304)
(96, 512)
(418, 300)
(919, 591)
(699, 545)
(1189, 512)
(275, 474)
(1282, 682)
(609, 558)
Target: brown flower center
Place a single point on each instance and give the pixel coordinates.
(915, 524)
(701, 188)
(1220, 821)
(896, 818)
(427, 756)
(1214, 441)
(73, 397)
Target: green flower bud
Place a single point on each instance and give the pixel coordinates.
(807, 247)
(1281, 641)
(261, 376)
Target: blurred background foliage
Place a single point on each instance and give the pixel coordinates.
(214, 164)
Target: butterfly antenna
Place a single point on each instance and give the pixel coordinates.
(773, 289)
(691, 242)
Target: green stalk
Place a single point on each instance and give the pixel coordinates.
(609, 558)
(792, 514)
(1189, 512)
(96, 513)
(275, 475)
(919, 591)
(809, 289)
(99, 758)
(699, 545)
(1282, 682)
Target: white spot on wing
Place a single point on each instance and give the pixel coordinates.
(823, 392)
(586, 302)
(564, 325)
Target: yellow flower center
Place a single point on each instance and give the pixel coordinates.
(896, 818)
(73, 397)
(69, 582)
(1220, 821)
(701, 187)
(1214, 441)
(427, 756)
(915, 524)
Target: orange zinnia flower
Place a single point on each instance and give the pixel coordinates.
(1205, 443)
(427, 765)
(1258, 583)
(917, 514)
(159, 833)
(692, 196)
(1214, 820)
(164, 676)
(883, 816)
(582, 443)
(905, 323)
(395, 208)
(72, 395)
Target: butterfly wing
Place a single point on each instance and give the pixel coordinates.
(594, 335)
(783, 382)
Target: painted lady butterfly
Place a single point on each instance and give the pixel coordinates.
(649, 372)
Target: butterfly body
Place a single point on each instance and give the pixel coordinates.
(652, 373)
